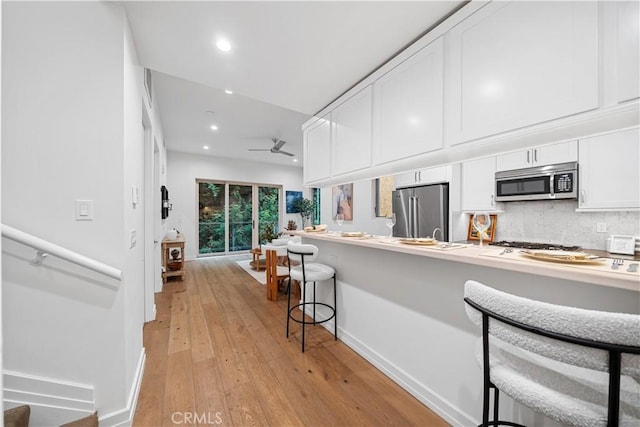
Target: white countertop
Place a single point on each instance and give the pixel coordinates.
(490, 256)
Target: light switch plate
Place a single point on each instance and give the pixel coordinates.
(84, 210)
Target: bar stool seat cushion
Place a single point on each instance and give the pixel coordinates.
(314, 272)
(567, 393)
(565, 381)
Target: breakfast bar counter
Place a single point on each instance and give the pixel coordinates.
(401, 307)
(597, 272)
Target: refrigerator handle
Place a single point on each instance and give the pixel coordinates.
(410, 224)
(414, 223)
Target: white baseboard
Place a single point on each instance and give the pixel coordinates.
(424, 394)
(55, 402)
(52, 402)
(124, 417)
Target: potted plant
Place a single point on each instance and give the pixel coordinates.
(305, 207)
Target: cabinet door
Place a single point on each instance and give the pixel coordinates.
(609, 173)
(407, 179)
(555, 153)
(422, 177)
(515, 64)
(539, 156)
(317, 150)
(408, 106)
(628, 50)
(352, 133)
(515, 160)
(478, 178)
(433, 175)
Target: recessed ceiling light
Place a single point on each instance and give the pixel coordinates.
(206, 147)
(228, 91)
(295, 160)
(223, 45)
(214, 127)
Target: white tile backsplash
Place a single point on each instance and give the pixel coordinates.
(558, 222)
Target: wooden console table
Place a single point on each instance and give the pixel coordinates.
(172, 267)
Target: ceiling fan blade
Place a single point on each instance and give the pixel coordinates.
(259, 149)
(279, 144)
(285, 153)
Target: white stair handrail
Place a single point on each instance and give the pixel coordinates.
(45, 248)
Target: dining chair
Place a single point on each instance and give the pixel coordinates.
(276, 274)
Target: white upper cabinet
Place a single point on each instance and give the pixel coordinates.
(539, 156)
(317, 150)
(408, 106)
(625, 39)
(609, 172)
(352, 133)
(478, 185)
(515, 64)
(423, 177)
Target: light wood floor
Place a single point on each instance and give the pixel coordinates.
(217, 355)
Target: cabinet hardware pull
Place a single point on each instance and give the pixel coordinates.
(535, 155)
(528, 156)
(582, 197)
(492, 200)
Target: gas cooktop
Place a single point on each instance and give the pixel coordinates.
(531, 245)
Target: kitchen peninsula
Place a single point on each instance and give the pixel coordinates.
(401, 307)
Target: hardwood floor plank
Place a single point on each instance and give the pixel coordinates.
(179, 331)
(218, 352)
(179, 401)
(209, 392)
(152, 389)
(201, 347)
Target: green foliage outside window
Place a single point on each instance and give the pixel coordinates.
(212, 216)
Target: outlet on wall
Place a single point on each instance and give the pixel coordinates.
(601, 227)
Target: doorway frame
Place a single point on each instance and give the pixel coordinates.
(255, 228)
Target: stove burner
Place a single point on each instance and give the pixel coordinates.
(530, 245)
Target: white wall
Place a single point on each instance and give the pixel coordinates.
(183, 170)
(364, 218)
(72, 98)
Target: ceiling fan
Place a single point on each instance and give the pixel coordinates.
(277, 145)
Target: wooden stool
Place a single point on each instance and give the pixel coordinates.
(255, 263)
(275, 275)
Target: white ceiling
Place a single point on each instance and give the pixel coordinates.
(288, 60)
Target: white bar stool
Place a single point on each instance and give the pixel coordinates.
(308, 272)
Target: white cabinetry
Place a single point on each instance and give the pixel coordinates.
(609, 172)
(422, 177)
(621, 40)
(317, 150)
(539, 156)
(515, 64)
(351, 149)
(478, 184)
(408, 106)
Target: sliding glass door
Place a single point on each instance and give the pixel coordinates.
(240, 217)
(212, 228)
(235, 217)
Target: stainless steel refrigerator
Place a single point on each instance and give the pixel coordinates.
(420, 210)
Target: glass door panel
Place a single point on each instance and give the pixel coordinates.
(240, 217)
(268, 214)
(211, 218)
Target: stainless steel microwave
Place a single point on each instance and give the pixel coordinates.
(550, 182)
